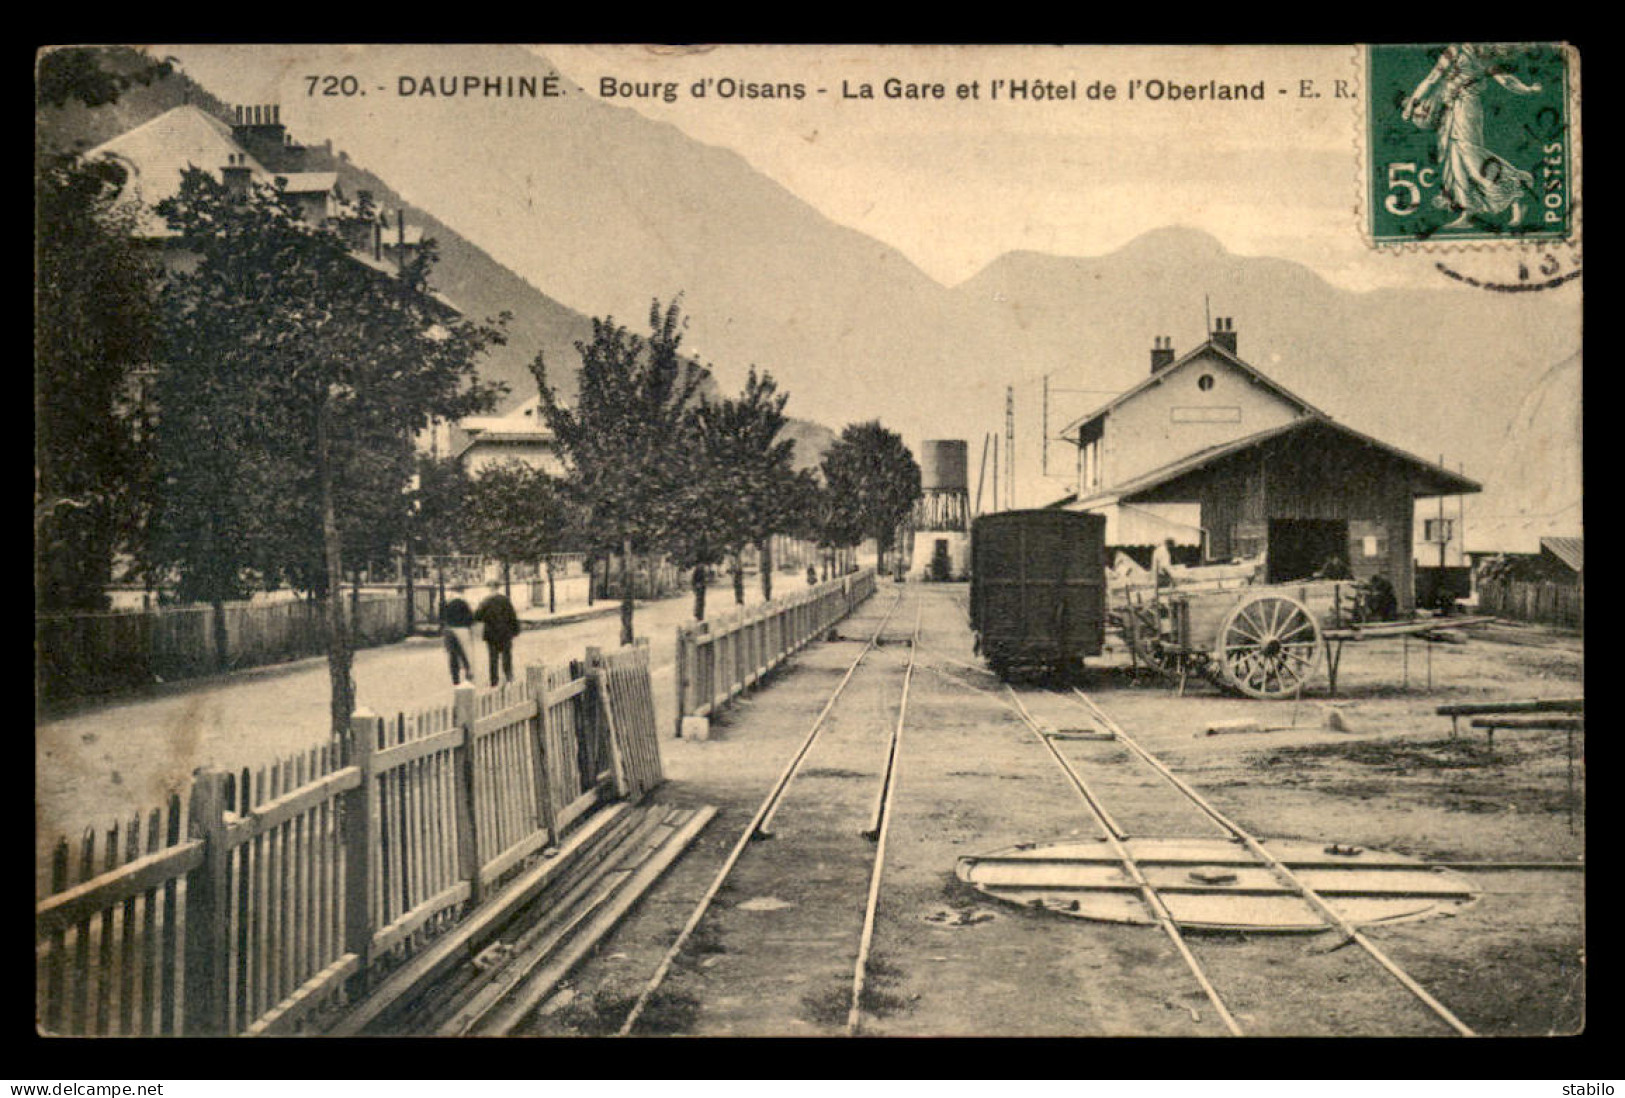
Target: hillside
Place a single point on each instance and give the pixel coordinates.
(466, 274)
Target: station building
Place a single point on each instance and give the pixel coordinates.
(1209, 452)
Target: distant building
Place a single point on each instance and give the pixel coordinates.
(1212, 453)
(256, 148)
(480, 442)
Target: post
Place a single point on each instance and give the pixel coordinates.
(208, 909)
(359, 811)
(684, 670)
(468, 847)
(546, 810)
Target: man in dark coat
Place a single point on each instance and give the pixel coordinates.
(501, 626)
(456, 625)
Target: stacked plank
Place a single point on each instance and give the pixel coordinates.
(493, 972)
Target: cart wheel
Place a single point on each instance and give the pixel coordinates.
(1267, 647)
(1147, 644)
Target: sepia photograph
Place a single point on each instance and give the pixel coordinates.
(809, 541)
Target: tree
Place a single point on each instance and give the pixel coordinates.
(871, 482)
(94, 325)
(748, 471)
(82, 73)
(628, 440)
(293, 376)
(516, 513)
(436, 507)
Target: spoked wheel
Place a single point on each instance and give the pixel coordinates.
(1147, 642)
(1267, 647)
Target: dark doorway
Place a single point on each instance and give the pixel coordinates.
(1299, 547)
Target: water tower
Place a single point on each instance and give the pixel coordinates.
(941, 524)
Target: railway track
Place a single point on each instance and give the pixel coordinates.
(828, 818)
(1070, 756)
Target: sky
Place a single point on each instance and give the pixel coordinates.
(952, 182)
(1274, 178)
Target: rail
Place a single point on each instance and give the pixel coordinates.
(720, 659)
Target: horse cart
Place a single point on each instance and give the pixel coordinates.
(1264, 641)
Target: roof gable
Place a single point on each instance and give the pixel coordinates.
(1444, 481)
(1204, 352)
(1571, 551)
(159, 150)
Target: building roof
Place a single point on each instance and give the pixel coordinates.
(159, 150)
(1571, 551)
(1444, 482)
(308, 182)
(1180, 363)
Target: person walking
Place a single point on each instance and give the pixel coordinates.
(500, 625)
(457, 629)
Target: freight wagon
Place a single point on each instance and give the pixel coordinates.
(1038, 589)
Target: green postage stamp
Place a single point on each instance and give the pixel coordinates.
(1469, 142)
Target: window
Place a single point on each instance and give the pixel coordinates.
(1091, 465)
(1438, 530)
(1205, 382)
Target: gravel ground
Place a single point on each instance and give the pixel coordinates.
(775, 955)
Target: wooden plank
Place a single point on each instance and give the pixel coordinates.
(468, 859)
(1532, 705)
(514, 854)
(359, 823)
(280, 809)
(399, 754)
(581, 891)
(282, 1018)
(453, 949)
(541, 778)
(583, 804)
(503, 718)
(598, 673)
(80, 902)
(207, 912)
(404, 925)
(538, 986)
(1547, 724)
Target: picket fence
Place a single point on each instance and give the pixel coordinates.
(1534, 600)
(719, 659)
(259, 903)
(91, 653)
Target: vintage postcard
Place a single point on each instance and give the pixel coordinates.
(578, 540)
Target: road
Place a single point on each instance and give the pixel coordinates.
(107, 760)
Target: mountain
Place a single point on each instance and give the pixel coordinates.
(1429, 370)
(1534, 488)
(606, 209)
(466, 274)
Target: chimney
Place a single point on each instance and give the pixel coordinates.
(1162, 352)
(236, 175)
(259, 129)
(1224, 333)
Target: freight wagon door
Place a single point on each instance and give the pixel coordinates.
(1064, 585)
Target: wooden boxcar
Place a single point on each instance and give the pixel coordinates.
(1038, 589)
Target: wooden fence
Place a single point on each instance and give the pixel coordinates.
(1534, 600)
(91, 653)
(718, 660)
(290, 889)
